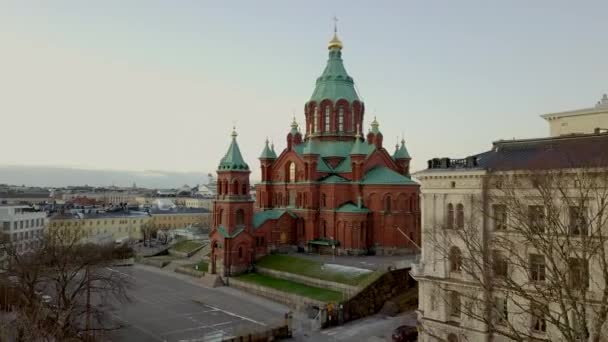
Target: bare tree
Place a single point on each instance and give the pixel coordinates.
(529, 261)
(63, 285)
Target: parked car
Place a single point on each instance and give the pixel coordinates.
(405, 333)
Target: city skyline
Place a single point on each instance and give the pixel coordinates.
(160, 86)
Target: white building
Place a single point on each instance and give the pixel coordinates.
(580, 121)
(455, 195)
(23, 224)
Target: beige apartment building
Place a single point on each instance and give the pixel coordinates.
(580, 121)
(473, 255)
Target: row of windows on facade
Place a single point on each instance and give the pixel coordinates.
(26, 235)
(500, 312)
(97, 222)
(22, 247)
(222, 188)
(300, 199)
(23, 224)
(578, 269)
(577, 224)
(326, 120)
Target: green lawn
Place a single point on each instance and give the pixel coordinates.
(308, 268)
(203, 266)
(186, 246)
(292, 287)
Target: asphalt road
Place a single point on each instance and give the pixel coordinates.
(172, 307)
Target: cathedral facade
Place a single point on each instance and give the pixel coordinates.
(332, 189)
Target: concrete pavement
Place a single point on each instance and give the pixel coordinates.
(170, 307)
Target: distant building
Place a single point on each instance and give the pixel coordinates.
(120, 225)
(580, 121)
(195, 202)
(175, 218)
(23, 224)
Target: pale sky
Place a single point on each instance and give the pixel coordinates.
(157, 85)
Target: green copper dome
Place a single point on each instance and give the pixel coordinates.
(401, 152)
(233, 160)
(268, 153)
(334, 83)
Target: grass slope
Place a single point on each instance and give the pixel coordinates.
(308, 268)
(186, 246)
(292, 287)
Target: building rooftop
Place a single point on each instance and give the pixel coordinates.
(569, 151)
(600, 107)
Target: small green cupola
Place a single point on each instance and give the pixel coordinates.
(233, 160)
(401, 152)
(268, 153)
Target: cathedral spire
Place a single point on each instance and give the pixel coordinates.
(335, 42)
(233, 160)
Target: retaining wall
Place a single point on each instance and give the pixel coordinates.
(189, 271)
(292, 300)
(371, 299)
(349, 290)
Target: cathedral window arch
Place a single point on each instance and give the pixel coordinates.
(323, 201)
(387, 204)
(353, 125)
(341, 119)
(292, 172)
(240, 217)
(219, 216)
(244, 189)
(315, 126)
(327, 119)
(235, 187)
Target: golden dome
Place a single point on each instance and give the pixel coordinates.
(335, 42)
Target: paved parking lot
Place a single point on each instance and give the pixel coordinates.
(173, 308)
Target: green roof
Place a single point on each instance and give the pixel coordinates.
(333, 149)
(333, 179)
(334, 83)
(351, 208)
(384, 175)
(233, 160)
(401, 152)
(225, 234)
(268, 153)
(359, 147)
(262, 216)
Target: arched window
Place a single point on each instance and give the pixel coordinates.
(244, 190)
(341, 119)
(450, 219)
(315, 126)
(219, 216)
(353, 125)
(240, 252)
(292, 172)
(327, 122)
(387, 204)
(240, 217)
(460, 216)
(323, 201)
(452, 338)
(455, 259)
(235, 188)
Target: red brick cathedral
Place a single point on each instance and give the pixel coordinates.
(330, 190)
